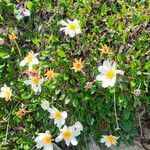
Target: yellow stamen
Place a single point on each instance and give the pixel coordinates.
(110, 74)
(29, 57)
(47, 139)
(8, 93)
(67, 135)
(72, 26)
(111, 139)
(35, 80)
(57, 115)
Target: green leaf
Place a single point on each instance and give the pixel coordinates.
(61, 53)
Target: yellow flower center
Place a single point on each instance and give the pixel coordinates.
(57, 115)
(72, 26)
(29, 57)
(8, 93)
(35, 80)
(110, 74)
(47, 139)
(111, 139)
(67, 135)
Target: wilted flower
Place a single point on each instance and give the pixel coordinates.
(89, 85)
(44, 140)
(59, 117)
(6, 92)
(32, 73)
(30, 59)
(108, 74)
(1, 41)
(105, 49)
(45, 105)
(71, 28)
(22, 12)
(137, 92)
(21, 112)
(78, 127)
(12, 36)
(109, 140)
(78, 65)
(50, 74)
(35, 83)
(69, 135)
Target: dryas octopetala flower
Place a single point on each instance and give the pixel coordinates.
(59, 117)
(70, 28)
(108, 74)
(6, 92)
(78, 65)
(69, 135)
(44, 140)
(12, 36)
(45, 105)
(31, 59)
(50, 74)
(35, 82)
(78, 127)
(22, 12)
(109, 140)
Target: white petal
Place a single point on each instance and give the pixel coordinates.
(63, 23)
(67, 142)
(28, 82)
(35, 61)
(78, 31)
(71, 33)
(48, 147)
(112, 82)
(107, 64)
(103, 140)
(100, 77)
(105, 83)
(58, 139)
(2, 95)
(39, 144)
(63, 28)
(74, 141)
(64, 114)
(120, 72)
(23, 62)
(107, 144)
(101, 69)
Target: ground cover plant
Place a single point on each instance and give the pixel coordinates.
(70, 69)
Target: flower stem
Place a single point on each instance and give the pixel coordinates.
(116, 117)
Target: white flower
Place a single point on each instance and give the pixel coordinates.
(59, 117)
(1, 41)
(44, 140)
(45, 105)
(70, 28)
(35, 83)
(69, 135)
(30, 59)
(6, 92)
(109, 140)
(108, 74)
(78, 127)
(22, 12)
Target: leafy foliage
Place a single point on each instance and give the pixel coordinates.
(122, 25)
